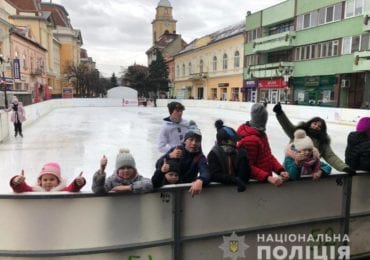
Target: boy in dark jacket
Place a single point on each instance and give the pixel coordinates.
(227, 164)
(191, 161)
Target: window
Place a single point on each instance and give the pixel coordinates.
(201, 66)
(183, 69)
(214, 63)
(329, 14)
(235, 94)
(236, 60)
(224, 62)
(251, 60)
(177, 71)
(346, 45)
(355, 44)
(356, 7)
(189, 68)
(364, 42)
(306, 20)
(252, 35)
(321, 16)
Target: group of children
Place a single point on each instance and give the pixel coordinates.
(236, 157)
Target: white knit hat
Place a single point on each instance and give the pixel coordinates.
(124, 158)
(301, 140)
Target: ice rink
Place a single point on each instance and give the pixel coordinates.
(77, 138)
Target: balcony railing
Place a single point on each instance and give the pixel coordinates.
(361, 61)
(199, 76)
(36, 71)
(269, 70)
(275, 42)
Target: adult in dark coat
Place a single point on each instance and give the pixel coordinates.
(358, 146)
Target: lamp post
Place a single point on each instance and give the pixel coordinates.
(3, 81)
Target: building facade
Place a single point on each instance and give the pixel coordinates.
(309, 53)
(211, 67)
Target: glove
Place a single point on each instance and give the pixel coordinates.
(277, 109)
(350, 171)
(241, 185)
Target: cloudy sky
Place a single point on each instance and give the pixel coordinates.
(116, 33)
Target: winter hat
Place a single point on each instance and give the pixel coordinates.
(175, 105)
(124, 158)
(301, 140)
(225, 133)
(174, 166)
(193, 131)
(14, 100)
(364, 125)
(52, 168)
(259, 116)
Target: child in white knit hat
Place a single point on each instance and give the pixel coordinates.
(125, 177)
(49, 180)
(303, 159)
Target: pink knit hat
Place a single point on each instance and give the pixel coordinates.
(364, 125)
(52, 168)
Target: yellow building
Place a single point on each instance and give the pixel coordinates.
(211, 67)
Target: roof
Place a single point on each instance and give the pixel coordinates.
(165, 40)
(58, 12)
(164, 3)
(219, 35)
(25, 6)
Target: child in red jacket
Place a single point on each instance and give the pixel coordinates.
(49, 180)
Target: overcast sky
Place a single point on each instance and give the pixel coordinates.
(117, 33)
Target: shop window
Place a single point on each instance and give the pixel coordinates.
(214, 93)
(235, 94)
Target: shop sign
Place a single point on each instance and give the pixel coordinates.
(223, 85)
(250, 84)
(272, 83)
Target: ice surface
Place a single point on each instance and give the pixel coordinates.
(78, 137)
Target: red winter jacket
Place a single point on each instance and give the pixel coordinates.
(261, 160)
(24, 187)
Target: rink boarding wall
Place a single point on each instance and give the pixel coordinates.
(170, 224)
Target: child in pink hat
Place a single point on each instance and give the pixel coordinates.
(358, 146)
(49, 180)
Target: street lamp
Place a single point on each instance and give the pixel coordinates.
(3, 81)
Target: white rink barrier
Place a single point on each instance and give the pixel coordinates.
(264, 222)
(35, 111)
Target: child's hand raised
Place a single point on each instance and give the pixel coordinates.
(19, 178)
(165, 167)
(103, 164)
(80, 181)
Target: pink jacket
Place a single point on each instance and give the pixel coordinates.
(20, 111)
(24, 187)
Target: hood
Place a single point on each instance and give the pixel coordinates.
(357, 137)
(247, 130)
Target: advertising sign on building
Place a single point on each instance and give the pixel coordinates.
(272, 83)
(17, 69)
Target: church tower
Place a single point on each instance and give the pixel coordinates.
(163, 22)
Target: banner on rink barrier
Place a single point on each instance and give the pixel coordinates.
(129, 102)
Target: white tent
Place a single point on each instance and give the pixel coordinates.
(122, 93)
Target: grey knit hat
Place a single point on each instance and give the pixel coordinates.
(124, 158)
(193, 131)
(259, 116)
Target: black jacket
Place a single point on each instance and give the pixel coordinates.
(219, 165)
(358, 151)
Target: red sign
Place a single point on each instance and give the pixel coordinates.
(272, 83)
